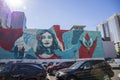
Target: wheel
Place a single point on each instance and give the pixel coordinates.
(106, 77)
(72, 78)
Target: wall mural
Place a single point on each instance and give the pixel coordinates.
(50, 43)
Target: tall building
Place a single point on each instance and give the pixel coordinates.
(18, 19)
(110, 29)
(5, 14)
(104, 29)
(114, 26)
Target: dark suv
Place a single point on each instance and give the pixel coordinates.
(54, 68)
(86, 70)
(23, 71)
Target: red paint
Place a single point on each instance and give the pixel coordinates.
(59, 33)
(87, 53)
(87, 37)
(8, 37)
(52, 57)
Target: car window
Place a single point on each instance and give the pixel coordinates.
(1, 66)
(66, 64)
(62, 64)
(70, 63)
(29, 67)
(97, 61)
(87, 65)
(40, 67)
(6, 68)
(76, 65)
(14, 68)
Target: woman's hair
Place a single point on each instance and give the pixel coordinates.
(48, 50)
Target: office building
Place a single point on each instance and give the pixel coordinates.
(104, 29)
(110, 29)
(18, 19)
(5, 14)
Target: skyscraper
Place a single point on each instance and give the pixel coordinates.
(114, 26)
(5, 14)
(110, 29)
(18, 19)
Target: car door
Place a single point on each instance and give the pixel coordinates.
(85, 73)
(17, 70)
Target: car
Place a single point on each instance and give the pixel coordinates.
(1, 65)
(23, 71)
(54, 68)
(45, 64)
(86, 70)
(114, 63)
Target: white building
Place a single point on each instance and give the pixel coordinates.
(110, 29)
(5, 14)
(114, 27)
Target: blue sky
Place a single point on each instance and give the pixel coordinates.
(43, 14)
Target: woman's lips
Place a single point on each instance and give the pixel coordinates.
(46, 43)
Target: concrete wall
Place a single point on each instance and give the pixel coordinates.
(50, 43)
(109, 49)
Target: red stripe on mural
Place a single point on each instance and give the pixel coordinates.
(59, 33)
(8, 37)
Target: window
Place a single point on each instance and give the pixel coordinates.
(87, 65)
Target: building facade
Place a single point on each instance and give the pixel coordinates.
(110, 29)
(52, 43)
(18, 19)
(5, 14)
(104, 29)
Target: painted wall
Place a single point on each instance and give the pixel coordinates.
(50, 43)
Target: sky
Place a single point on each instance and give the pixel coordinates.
(43, 14)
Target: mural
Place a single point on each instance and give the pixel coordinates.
(50, 43)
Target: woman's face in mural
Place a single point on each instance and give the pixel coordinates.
(47, 39)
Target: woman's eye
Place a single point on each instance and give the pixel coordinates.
(49, 37)
(43, 37)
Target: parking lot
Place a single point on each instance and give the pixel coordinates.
(116, 71)
(115, 68)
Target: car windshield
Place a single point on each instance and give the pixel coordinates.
(40, 67)
(76, 65)
(1, 66)
(5, 68)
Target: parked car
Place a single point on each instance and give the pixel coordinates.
(54, 68)
(23, 71)
(114, 62)
(86, 70)
(45, 64)
(1, 65)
